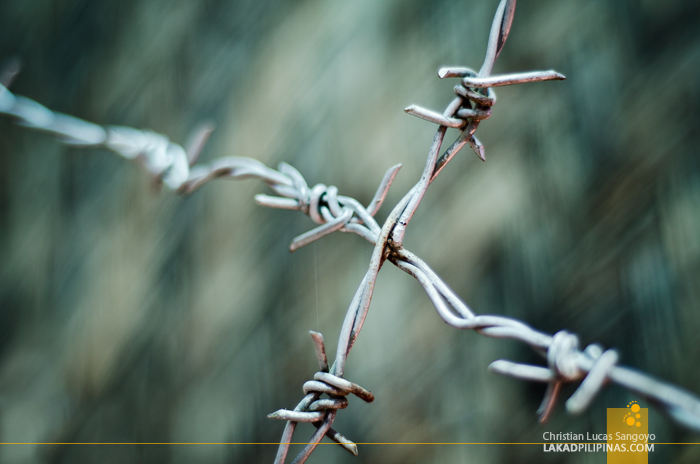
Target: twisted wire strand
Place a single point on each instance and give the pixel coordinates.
(171, 164)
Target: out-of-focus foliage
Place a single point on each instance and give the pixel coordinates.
(128, 315)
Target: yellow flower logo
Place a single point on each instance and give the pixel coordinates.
(632, 416)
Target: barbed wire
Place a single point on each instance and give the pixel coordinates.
(173, 165)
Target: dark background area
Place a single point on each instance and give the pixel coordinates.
(128, 315)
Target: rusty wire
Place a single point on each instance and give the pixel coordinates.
(172, 165)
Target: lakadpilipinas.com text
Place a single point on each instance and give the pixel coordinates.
(593, 442)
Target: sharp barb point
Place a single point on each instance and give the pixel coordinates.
(9, 71)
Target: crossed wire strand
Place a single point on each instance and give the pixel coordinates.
(170, 164)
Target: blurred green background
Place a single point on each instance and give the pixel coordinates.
(128, 315)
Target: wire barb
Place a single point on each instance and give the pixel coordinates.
(198, 140)
(9, 70)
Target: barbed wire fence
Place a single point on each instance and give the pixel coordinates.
(175, 167)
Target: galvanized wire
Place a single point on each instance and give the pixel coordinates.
(171, 164)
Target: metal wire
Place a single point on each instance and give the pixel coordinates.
(171, 164)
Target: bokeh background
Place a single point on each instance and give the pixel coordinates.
(130, 315)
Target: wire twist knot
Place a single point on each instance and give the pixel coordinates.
(569, 364)
(320, 411)
(162, 159)
(562, 356)
(321, 203)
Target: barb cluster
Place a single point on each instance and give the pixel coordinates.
(320, 412)
(473, 103)
(165, 161)
(172, 165)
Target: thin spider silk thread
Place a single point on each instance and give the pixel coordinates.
(316, 275)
